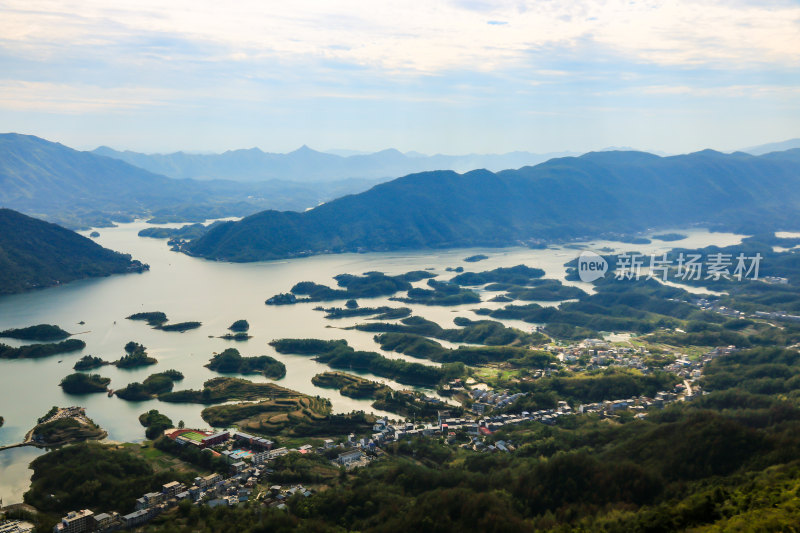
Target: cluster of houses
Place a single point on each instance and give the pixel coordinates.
(600, 353)
(777, 315)
(213, 490)
(484, 400)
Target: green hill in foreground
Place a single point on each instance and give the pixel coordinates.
(35, 254)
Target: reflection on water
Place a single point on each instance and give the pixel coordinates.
(15, 476)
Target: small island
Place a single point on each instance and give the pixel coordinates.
(382, 313)
(94, 234)
(670, 237)
(440, 293)
(135, 356)
(516, 275)
(186, 232)
(155, 423)
(158, 320)
(80, 383)
(180, 326)
(368, 285)
(35, 351)
(64, 425)
(225, 389)
(240, 325)
(231, 361)
(631, 239)
(339, 355)
(89, 362)
(475, 258)
(41, 332)
(2, 421)
(239, 329)
(406, 403)
(294, 414)
(152, 386)
(350, 385)
(238, 336)
(153, 318)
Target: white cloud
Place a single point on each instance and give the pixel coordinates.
(415, 36)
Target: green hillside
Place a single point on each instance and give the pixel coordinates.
(35, 254)
(604, 193)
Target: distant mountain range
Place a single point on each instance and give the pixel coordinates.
(35, 254)
(599, 193)
(307, 165)
(81, 189)
(772, 147)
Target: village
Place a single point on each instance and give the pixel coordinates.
(248, 456)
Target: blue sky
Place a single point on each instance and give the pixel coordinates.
(436, 77)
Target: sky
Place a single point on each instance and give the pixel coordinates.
(456, 77)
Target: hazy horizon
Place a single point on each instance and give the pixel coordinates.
(457, 77)
(349, 152)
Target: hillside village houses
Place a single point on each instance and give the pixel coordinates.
(215, 489)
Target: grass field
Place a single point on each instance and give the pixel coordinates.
(197, 437)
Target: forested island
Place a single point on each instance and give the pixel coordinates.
(80, 383)
(337, 354)
(225, 389)
(231, 361)
(155, 423)
(41, 332)
(377, 313)
(153, 318)
(440, 293)
(180, 326)
(89, 362)
(240, 326)
(153, 386)
(238, 330)
(369, 285)
(669, 237)
(158, 320)
(349, 385)
(35, 351)
(135, 356)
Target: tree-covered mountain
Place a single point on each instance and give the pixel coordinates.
(80, 189)
(305, 164)
(599, 193)
(34, 254)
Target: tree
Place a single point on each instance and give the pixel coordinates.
(181, 424)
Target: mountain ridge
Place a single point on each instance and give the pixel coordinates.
(80, 189)
(307, 164)
(595, 194)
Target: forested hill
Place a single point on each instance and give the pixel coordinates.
(34, 253)
(595, 194)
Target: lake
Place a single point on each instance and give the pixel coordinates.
(217, 294)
